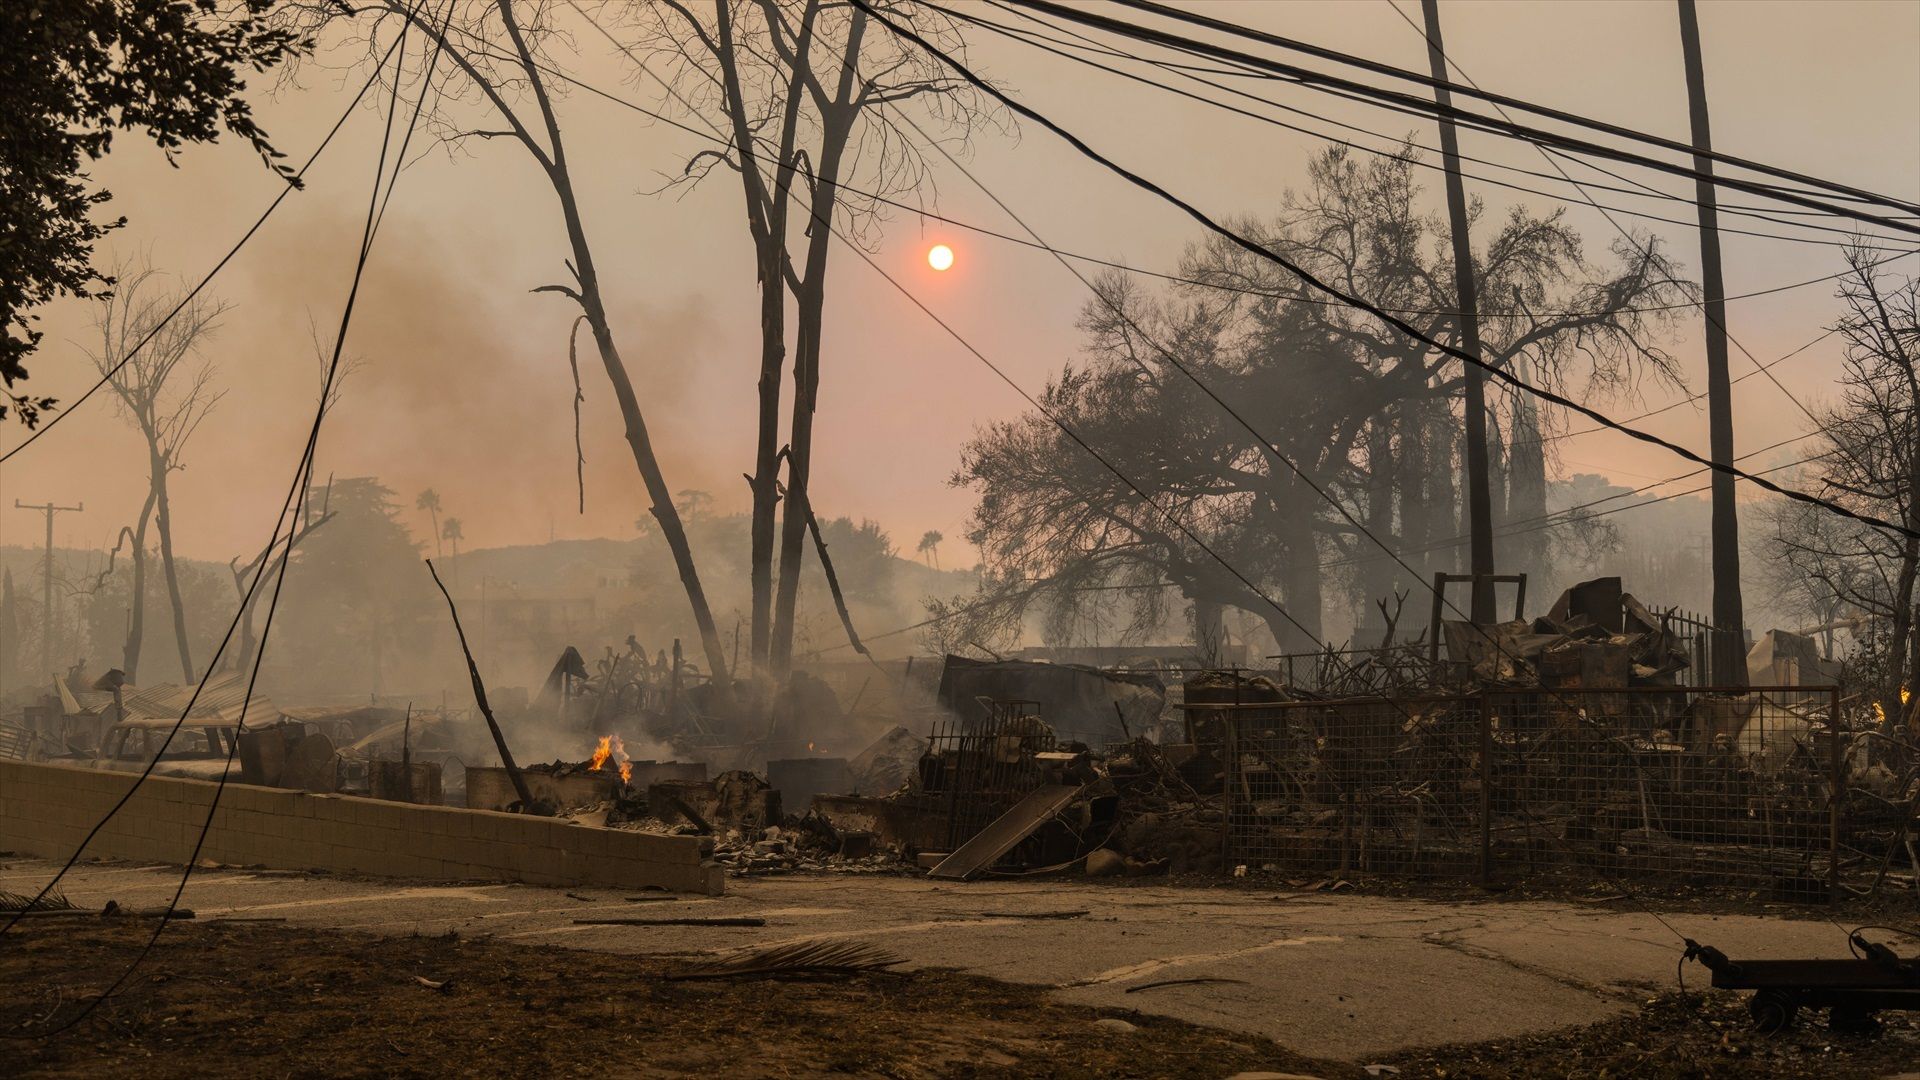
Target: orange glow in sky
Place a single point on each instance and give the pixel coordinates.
(940, 257)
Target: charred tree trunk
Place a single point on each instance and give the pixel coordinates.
(767, 224)
(1209, 629)
(1498, 479)
(837, 118)
(1527, 480)
(137, 605)
(1902, 641)
(765, 481)
(1442, 472)
(1416, 521)
(1303, 582)
(1378, 574)
(163, 523)
(586, 292)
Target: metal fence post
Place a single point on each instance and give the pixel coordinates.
(1230, 745)
(1839, 797)
(1486, 791)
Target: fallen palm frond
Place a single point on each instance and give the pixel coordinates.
(53, 901)
(797, 958)
(690, 920)
(1195, 981)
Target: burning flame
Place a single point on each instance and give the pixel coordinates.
(611, 749)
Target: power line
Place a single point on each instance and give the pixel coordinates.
(1348, 59)
(1759, 369)
(1571, 515)
(299, 491)
(1541, 525)
(1040, 245)
(1299, 298)
(1043, 246)
(293, 184)
(1270, 445)
(1705, 310)
(1028, 37)
(1479, 121)
(1065, 428)
(1397, 323)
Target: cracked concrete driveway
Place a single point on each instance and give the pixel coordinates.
(1330, 975)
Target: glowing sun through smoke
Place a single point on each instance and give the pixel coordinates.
(940, 257)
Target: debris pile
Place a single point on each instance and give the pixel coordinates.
(1596, 636)
(1170, 799)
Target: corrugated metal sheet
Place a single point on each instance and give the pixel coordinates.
(218, 695)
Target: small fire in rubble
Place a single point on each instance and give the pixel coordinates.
(611, 749)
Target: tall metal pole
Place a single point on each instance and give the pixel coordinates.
(1729, 621)
(1479, 498)
(46, 580)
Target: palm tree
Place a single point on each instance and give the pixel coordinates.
(450, 532)
(930, 544)
(693, 504)
(429, 500)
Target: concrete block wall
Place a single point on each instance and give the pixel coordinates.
(46, 810)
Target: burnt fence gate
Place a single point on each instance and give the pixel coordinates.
(1676, 785)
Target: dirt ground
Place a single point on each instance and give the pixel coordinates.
(1682, 1035)
(255, 1000)
(250, 1000)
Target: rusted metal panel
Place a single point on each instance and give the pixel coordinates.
(1040, 806)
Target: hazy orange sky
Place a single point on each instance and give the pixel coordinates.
(465, 386)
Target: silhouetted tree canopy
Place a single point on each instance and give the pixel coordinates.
(74, 72)
(1359, 414)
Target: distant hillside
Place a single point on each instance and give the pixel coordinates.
(885, 590)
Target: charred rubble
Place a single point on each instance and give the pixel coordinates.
(1589, 740)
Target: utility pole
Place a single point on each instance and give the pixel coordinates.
(1479, 499)
(46, 581)
(1729, 621)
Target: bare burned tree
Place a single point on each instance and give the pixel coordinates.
(164, 395)
(497, 50)
(1872, 464)
(1804, 569)
(807, 102)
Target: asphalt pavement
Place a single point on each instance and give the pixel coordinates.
(1338, 975)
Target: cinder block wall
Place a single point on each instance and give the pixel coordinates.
(46, 810)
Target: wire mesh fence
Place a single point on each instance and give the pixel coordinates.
(1377, 785)
(1685, 785)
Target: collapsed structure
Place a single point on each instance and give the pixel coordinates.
(1585, 743)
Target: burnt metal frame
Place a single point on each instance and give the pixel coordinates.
(979, 788)
(1854, 989)
(1441, 579)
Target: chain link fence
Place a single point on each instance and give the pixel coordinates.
(1683, 785)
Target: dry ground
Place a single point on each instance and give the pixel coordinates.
(266, 1001)
(251, 1000)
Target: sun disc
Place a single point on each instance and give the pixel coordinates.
(940, 257)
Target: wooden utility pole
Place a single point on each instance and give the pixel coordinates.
(1479, 498)
(46, 581)
(1729, 621)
